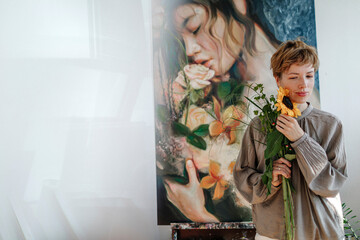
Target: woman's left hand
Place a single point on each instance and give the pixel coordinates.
(289, 127)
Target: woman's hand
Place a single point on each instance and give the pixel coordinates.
(189, 198)
(289, 127)
(281, 167)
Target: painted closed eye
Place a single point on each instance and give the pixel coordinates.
(196, 30)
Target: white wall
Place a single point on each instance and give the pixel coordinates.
(77, 154)
(338, 33)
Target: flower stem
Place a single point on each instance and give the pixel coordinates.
(253, 103)
(288, 209)
(187, 111)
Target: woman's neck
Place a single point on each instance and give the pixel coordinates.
(302, 106)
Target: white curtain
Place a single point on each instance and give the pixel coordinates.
(76, 121)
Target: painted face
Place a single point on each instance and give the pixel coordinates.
(192, 22)
(299, 79)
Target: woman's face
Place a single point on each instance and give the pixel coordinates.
(299, 79)
(192, 22)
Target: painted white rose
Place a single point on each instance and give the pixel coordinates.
(196, 117)
(199, 75)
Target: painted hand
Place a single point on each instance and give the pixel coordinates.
(281, 167)
(289, 127)
(189, 198)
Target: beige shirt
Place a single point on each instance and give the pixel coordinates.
(318, 173)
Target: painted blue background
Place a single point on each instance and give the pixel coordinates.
(287, 20)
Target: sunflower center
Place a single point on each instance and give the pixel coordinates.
(286, 100)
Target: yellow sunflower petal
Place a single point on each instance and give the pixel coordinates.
(207, 182)
(297, 112)
(291, 113)
(278, 106)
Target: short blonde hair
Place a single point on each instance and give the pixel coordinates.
(293, 52)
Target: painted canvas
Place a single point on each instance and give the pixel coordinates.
(206, 54)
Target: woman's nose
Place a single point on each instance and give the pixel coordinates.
(303, 82)
(191, 45)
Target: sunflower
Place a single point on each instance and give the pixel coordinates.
(285, 105)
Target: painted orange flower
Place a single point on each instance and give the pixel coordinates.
(285, 105)
(231, 167)
(226, 123)
(215, 179)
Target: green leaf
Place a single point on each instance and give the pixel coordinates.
(224, 89)
(200, 93)
(178, 179)
(196, 141)
(202, 130)
(236, 92)
(194, 97)
(264, 179)
(273, 143)
(268, 188)
(348, 213)
(253, 103)
(256, 112)
(181, 129)
(290, 156)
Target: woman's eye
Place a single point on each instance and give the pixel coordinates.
(310, 76)
(196, 30)
(293, 78)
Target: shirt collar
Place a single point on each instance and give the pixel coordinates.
(306, 112)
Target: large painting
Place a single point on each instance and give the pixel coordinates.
(206, 55)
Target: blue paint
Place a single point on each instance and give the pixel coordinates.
(287, 20)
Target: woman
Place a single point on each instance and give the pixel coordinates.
(319, 170)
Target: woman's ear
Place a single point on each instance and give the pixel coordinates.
(240, 6)
(277, 81)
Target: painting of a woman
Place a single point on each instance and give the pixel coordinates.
(206, 53)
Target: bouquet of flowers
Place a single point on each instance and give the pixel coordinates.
(277, 145)
(210, 113)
